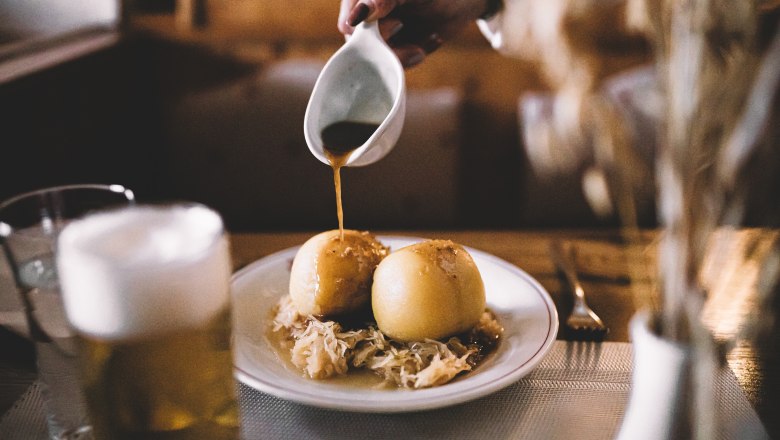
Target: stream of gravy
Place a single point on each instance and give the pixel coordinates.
(340, 139)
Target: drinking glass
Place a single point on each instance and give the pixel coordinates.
(29, 226)
(147, 290)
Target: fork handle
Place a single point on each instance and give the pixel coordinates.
(566, 265)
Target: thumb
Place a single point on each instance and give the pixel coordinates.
(369, 10)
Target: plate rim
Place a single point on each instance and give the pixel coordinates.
(415, 399)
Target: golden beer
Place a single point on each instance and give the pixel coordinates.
(174, 386)
(147, 291)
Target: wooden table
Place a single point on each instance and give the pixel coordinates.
(613, 281)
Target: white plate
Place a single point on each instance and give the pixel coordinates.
(522, 306)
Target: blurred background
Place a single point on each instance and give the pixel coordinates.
(204, 100)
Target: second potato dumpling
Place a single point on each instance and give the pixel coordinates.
(431, 289)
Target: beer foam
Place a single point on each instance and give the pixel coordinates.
(143, 270)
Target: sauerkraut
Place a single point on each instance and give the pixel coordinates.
(323, 349)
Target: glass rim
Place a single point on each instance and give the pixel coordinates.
(115, 188)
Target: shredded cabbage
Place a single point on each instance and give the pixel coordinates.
(323, 349)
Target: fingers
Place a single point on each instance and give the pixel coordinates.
(389, 27)
(369, 10)
(344, 12)
(358, 14)
(410, 45)
(411, 55)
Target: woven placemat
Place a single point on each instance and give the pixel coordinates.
(25, 420)
(579, 390)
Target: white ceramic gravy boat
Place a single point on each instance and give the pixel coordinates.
(362, 82)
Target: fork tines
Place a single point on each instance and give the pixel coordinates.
(596, 334)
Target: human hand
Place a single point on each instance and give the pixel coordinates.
(412, 28)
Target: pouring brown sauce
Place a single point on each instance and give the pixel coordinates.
(340, 139)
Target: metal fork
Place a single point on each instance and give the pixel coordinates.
(582, 323)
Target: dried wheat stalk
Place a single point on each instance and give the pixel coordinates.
(714, 110)
(716, 107)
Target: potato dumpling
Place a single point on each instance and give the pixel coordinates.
(430, 289)
(331, 277)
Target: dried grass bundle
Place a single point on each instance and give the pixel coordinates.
(712, 90)
(717, 90)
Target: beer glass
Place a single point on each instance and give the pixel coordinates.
(29, 226)
(146, 289)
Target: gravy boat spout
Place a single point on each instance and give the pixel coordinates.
(363, 82)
